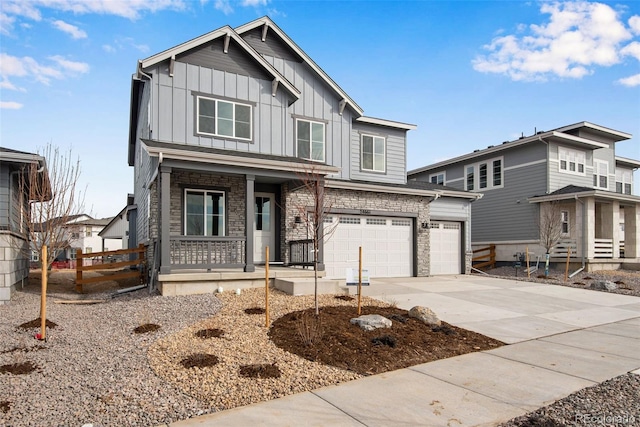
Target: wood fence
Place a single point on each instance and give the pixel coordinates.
(80, 268)
(487, 260)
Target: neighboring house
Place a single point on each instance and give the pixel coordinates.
(14, 218)
(574, 167)
(116, 229)
(222, 128)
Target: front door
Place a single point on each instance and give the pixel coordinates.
(263, 227)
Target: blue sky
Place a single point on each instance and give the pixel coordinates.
(468, 73)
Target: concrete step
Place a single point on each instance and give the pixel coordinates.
(305, 286)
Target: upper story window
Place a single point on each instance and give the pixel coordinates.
(571, 161)
(437, 178)
(204, 213)
(564, 221)
(485, 175)
(624, 181)
(601, 174)
(223, 118)
(373, 153)
(88, 231)
(310, 140)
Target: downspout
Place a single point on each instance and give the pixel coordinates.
(584, 236)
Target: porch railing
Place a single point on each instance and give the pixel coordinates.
(207, 252)
(603, 248)
(621, 248)
(562, 247)
(301, 252)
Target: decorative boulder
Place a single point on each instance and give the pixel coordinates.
(425, 315)
(604, 285)
(369, 322)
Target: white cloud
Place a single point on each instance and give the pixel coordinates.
(72, 30)
(6, 24)
(631, 81)
(578, 37)
(13, 66)
(634, 24)
(10, 105)
(131, 9)
(108, 48)
(254, 3)
(223, 6)
(632, 49)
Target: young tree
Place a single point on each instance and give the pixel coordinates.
(313, 208)
(550, 227)
(51, 206)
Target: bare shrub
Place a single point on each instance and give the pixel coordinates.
(310, 328)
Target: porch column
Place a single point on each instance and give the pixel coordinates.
(632, 231)
(321, 199)
(165, 215)
(589, 228)
(250, 213)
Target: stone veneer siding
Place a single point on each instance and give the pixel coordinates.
(381, 203)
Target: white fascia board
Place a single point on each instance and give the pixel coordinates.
(575, 140)
(607, 195)
(358, 186)
(626, 162)
(224, 31)
(272, 26)
(388, 123)
(231, 160)
(617, 133)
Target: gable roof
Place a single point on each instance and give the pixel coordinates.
(558, 135)
(266, 21)
(225, 31)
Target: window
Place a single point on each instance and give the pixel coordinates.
(204, 213)
(564, 217)
(73, 253)
(349, 220)
(624, 181)
(571, 161)
(263, 213)
(35, 256)
(224, 118)
(88, 250)
(376, 221)
(600, 174)
(437, 178)
(75, 235)
(310, 137)
(484, 175)
(88, 231)
(373, 153)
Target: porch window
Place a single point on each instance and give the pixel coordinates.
(564, 218)
(223, 118)
(204, 213)
(624, 179)
(310, 140)
(571, 161)
(373, 153)
(600, 174)
(437, 178)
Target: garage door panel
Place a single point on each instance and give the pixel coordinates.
(445, 248)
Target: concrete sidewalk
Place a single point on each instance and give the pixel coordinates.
(562, 340)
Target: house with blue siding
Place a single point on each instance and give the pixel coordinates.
(223, 128)
(15, 251)
(574, 169)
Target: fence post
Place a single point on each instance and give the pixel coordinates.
(79, 264)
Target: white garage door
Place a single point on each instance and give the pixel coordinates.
(387, 245)
(445, 248)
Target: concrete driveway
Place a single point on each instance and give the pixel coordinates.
(562, 340)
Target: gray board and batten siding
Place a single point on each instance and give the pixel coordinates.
(174, 108)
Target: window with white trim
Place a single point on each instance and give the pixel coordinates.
(437, 178)
(624, 181)
(88, 231)
(216, 117)
(204, 213)
(485, 175)
(601, 174)
(35, 256)
(310, 140)
(564, 218)
(571, 161)
(373, 149)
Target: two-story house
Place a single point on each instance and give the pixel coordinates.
(575, 168)
(224, 126)
(15, 184)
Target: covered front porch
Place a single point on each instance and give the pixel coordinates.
(600, 229)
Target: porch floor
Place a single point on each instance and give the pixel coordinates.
(190, 282)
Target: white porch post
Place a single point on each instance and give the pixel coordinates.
(589, 229)
(250, 213)
(632, 231)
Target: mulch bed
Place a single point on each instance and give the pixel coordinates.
(147, 327)
(260, 371)
(200, 360)
(18, 368)
(255, 310)
(37, 323)
(209, 333)
(347, 346)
